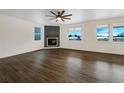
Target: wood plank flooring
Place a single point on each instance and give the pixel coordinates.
(62, 66)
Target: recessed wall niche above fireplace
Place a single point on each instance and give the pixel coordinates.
(51, 36)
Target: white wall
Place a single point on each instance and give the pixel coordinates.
(17, 36)
(89, 41)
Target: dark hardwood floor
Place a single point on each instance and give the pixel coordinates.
(62, 65)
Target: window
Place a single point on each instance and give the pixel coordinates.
(37, 33)
(74, 34)
(102, 32)
(118, 32)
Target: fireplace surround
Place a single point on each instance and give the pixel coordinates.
(51, 36)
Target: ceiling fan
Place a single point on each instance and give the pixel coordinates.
(59, 16)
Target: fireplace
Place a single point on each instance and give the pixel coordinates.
(52, 41)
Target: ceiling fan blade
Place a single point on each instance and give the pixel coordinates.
(67, 15)
(63, 20)
(53, 13)
(49, 16)
(59, 13)
(67, 18)
(62, 12)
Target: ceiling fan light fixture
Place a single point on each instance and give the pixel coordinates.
(58, 18)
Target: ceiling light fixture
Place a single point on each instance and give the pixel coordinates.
(59, 16)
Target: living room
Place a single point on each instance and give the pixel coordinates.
(67, 46)
(85, 46)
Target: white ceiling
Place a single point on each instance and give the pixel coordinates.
(79, 15)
